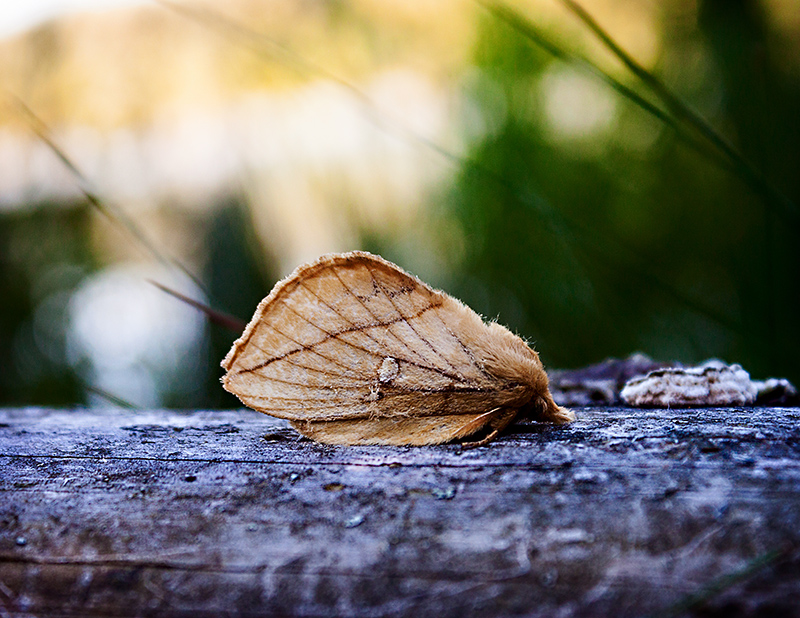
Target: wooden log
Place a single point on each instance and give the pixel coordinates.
(231, 513)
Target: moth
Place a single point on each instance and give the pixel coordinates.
(351, 349)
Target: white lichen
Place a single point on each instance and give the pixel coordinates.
(711, 384)
(388, 370)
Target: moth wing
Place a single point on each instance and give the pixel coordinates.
(395, 431)
(405, 431)
(352, 336)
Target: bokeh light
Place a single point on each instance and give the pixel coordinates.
(498, 154)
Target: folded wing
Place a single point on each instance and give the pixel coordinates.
(352, 336)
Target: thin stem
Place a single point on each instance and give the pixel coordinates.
(116, 215)
(746, 170)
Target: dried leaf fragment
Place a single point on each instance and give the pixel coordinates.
(351, 349)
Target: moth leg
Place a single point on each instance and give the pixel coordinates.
(502, 419)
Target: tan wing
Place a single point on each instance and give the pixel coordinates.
(402, 431)
(352, 336)
(407, 431)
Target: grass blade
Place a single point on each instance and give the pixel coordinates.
(115, 215)
(529, 30)
(724, 582)
(219, 318)
(110, 397)
(746, 170)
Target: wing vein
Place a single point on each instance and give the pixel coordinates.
(407, 320)
(363, 329)
(309, 348)
(355, 328)
(387, 323)
(362, 383)
(446, 393)
(350, 374)
(467, 351)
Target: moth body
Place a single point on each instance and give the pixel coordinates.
(353, 350)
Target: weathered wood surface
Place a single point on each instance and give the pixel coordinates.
(623, 513)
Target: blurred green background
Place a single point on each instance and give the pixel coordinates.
(472, 145)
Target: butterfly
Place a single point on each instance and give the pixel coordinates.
(351, 349)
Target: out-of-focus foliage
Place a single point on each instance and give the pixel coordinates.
(117, 69)
(594, 231)
(44, 253)
(512, 177)
(238, 275)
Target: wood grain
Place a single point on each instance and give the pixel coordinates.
(624, 512)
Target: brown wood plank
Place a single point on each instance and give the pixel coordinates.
(625, 512)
